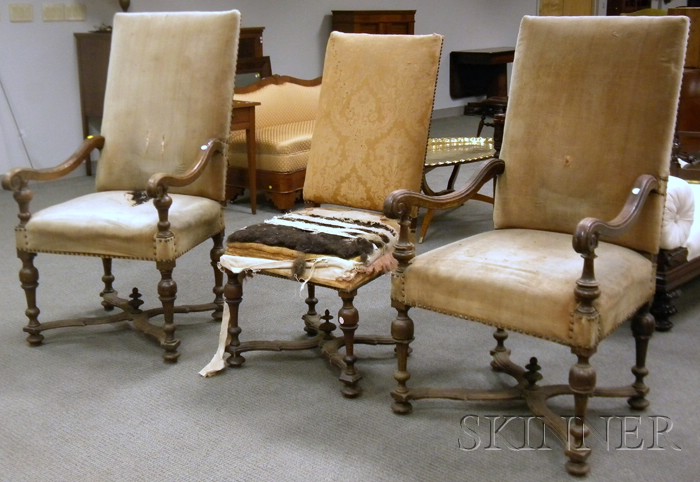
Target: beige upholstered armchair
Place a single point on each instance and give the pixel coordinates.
(160, 178)
(579, 197)
(370, 138)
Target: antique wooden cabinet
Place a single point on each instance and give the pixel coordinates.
(374, 21)
(692, 56)
(93, 57)
(616, 7)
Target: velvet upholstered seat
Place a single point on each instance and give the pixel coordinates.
(370, 139)
(578, 209)
(160, 177)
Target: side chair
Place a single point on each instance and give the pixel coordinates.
(370, 138)
(160, 174)
(580, 191)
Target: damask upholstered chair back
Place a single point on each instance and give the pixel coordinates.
(366, 139)
(553, 185)
(169, 113)
(370, 138)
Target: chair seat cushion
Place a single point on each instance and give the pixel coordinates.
(337, 248)
(279, 148)
(493, 277)
(113, 224)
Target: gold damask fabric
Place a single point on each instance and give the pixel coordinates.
(175, 113)
(558, 148)
(374, 115)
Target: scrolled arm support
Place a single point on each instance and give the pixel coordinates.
(403, 201)
(589, 231)
(159, 183)
(17, 180)
(19, 177)
(401, 204)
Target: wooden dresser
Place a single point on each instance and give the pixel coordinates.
(374, 21)
(688, 123)
(617, 7)
(93, 58)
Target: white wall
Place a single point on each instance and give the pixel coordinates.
(38, 66)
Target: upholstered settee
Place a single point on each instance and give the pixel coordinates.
(284, 124)
(679, 257)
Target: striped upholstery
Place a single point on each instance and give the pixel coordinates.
(284, 123)
(280, 148)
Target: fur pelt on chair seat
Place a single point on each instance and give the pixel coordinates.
(317, 237)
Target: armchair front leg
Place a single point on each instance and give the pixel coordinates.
(158, 186)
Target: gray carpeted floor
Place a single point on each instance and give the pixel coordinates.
(99, 404)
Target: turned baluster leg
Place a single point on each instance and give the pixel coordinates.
(663, 308)
(642, 329)
(167, 291)
(29, 280)
(108, 280)
(311, 318)
(500, 353)
(233, 295)
(402, 333)
(582, 380)
(348, 318)
(217, 251)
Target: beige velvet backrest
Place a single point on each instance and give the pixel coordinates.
(169, 90)
(582, 126)
(373, 119)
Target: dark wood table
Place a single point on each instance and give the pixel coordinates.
(480, 72)
(243, 118)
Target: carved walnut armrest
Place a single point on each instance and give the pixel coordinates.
(159, 183)
(401, 204)
(17, 180)
(589, 230)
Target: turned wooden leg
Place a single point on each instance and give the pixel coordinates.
(217, 251)
(402, 333)
(642, 329)
(500, 352)
(29, 280)
(311, 318)
(283, 201)
(663, 308)
(348, 318)
(167, 292)
(427, 220)
(108, 281)
(233, 294)
(582, 380)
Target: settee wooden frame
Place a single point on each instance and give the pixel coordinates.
(673, 268)
(283, 189)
